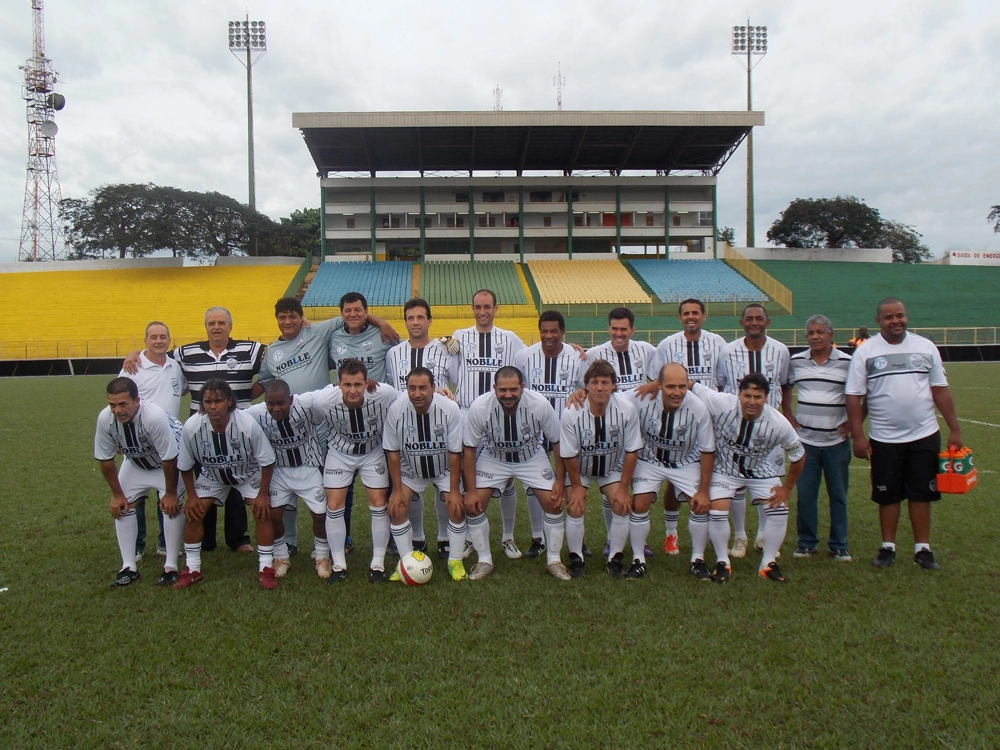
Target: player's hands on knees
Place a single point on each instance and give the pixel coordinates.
(118, 505)
(576, 503)
(398, 501)
(558, 491)
(194, 508)
(260, 507)
(453, 502)
(621, 503)
(170, 505)
(862, 448)
(700, 503)
(779, 496)
(473, 506)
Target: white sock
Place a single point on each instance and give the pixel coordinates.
(670, 518)
(536, 516)
(638, 529)
(280, 548)
(192, 556)
(291, 518)
(891, 545)
(478, 531)
(738, 511)
(173, 534)
(265, 556)
(127, 530)
(456, 539)
(919, 546)
(336, 537)
(380, 536)
(698, 528)
(508, 511)
(441, 509)
(574, 535)
(618, 534)
(415, 515)
(554, 532)
(608, 517)
(718, 532)
(774, 533)
(321, 549)
(403, 534)
(761, 521)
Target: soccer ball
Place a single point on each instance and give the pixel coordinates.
(415, 569)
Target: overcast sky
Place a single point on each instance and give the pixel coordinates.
(893, 101)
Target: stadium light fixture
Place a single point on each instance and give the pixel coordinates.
(248, 43)
(749, 42)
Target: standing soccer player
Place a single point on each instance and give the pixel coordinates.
(149, 440)
(599, 443)
(233, 453)
(423, 442)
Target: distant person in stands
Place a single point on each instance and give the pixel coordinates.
(861, 338)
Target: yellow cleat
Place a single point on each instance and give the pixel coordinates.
(394, 576)
(456, 569)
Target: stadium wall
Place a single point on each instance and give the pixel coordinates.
(839, 254)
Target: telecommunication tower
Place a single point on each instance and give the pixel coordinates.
(559, 80)
(41, 234)
(498, 99)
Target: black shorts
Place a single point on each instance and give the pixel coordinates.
(905, 471)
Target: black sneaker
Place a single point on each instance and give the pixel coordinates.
(722, 572)
(293, 550)
(587, 552)
(801, 552)
(577, 567)
(348, 545)
(773, 573)
(925, 559)
(375, 575)
(537, 547)
(616, 566)
(167, 578)
(700, 570)
(636, 570)
(336, 576)
(886, 556)
(420, 546)
(443, 550)
(125, 577)
(391, 549)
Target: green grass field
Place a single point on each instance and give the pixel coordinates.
(843, 656)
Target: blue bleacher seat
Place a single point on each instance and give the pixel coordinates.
(707, 280)
(383, 283)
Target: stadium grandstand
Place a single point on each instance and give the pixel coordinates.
(707, 280)
(565, 282)
(384, 283)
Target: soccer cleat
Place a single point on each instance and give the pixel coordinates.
(281, 566)
(376, 576)
(700, 570)
(138, 557)
(925, 559)
(758, 542)
(420, 546)
(670, 545)
(125, 577)
(773, 573)
(391, 550)
(739, 549)
(558, 570)
(161, 551)
(456, 569)
(394, 576)
(885, 557)
(722, 572)
(577, 567)
(348, 545)
(480, 570)
(267, 579)
(841, 555)
(801, 552)
(293, 550)
(537, 547)
(616, 566)
(587, 552)
(646, 551)
(167, 578)
(443, 549)
(607, 549)
(337, 575)
(469, 549)
(636, 570)
(188, 578)
(511, 550)
(324, 567)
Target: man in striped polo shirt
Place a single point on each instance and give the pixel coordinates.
(820, 374)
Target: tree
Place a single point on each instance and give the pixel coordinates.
(905, 243)
(728, 235)
(994, 216)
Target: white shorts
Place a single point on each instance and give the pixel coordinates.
(586, 479)
(724, 486)
(219, 492)
(418, 485)
(535, 473)
(138, 482)
(649, 476)
(292, 482)
(339, 470)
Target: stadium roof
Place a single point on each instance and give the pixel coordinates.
(523, 141)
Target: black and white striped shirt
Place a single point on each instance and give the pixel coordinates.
(237, 363)
(555, 378)
(736, 361)
(151, 438)
(674, 438)
(600, 442)
(296, 440)
(633, 367)
(481, 355)
(424, 441)
(821, 389)
(354, 431)
(699, 357)
(231, 457)
(403, 357)
(510, 438)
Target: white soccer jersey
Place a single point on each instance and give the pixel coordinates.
(354, 431)
(674, 438)
(481, 355)
(510, 438)
(231, 457)
(633, 367)
(151, 438)
(600, 442)
(745, 449)
(699, 357)
(424, 441)
(555, 378)
(403, 357)
(296, 440)
(736, 361)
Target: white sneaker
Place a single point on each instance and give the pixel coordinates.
(281, 566)
(558, 570)
(739, 547)
(323, 567)
(511, 550)
(758, 543)
(480, 570)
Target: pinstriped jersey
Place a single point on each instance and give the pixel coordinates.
(403, 357)
(354, 431)
(296, 440)
(600, 442)
(674, 438)
(151, 438)
(749, 449)
(633, 367)
(699, 357)
(482, 354)
(424, 441)
(237, 363)
(555, 378)
(510, 438)
(231, 457)
(736, 361)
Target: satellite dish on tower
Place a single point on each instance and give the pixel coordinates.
(48, 129)
(56, 101)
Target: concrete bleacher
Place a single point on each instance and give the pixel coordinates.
(707, 280)
(454, 282)
(571, 282)
(382, 283)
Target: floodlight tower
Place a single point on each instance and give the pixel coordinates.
(248, 43)
(749, 41)
(559, 80)
(498, 99)
(41, 234)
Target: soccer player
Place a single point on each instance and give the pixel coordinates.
(232, 452)
(554, 370)
(423, 442)
(482, 350)
(901, 376)
(698, 350)
(599, 443)
(755, 352)
(509, 424)
(148, 439)
(751, 440)
(820, 374)
(355, 421)
(293, 430)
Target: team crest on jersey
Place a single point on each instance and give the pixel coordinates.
(536, 373)
(653, 425)
(438, 432)
(681, 432)
(206, 448)
(615, 431)
(564, 376)
(498, 349)
(410, 432)
(498, 433)
(525, 432)
(373, 423)
(367, 346)
(231, 363)
(341, 425)
(341, 348)
(586, 436)
(880, 363)
(758, 442)
(917, 361)
(548, 474)
(175, 386)
(471, 348)
(769, 369)
(679, 358)
(278, 355)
